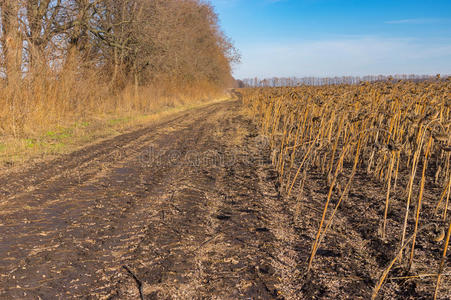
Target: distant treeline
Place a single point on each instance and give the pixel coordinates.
(318, 81)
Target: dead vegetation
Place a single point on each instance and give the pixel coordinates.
(72, 61)
(398, 134)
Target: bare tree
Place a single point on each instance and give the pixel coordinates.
(130, 41)
(11, 40)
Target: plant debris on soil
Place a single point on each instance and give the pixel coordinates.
(188, 209)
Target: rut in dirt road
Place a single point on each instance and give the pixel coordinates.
(185, 209)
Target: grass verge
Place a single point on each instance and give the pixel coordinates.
(62, 139)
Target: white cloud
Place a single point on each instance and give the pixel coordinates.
(418, 21)
(233, 3)
(347, 56)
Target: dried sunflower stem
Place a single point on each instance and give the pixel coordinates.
(343, 195)
(442, 263)
(390, 171)
(420, 198)
(300, 166)
(329, 196)
(398, 256)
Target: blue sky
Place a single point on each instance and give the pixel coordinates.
(338, 37)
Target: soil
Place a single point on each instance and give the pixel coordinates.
(190, 208)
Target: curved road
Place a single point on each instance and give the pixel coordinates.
(183, 209)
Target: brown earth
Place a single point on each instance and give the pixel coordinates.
(170, 210)
(185, 209)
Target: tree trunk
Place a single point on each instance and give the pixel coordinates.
(12, 41)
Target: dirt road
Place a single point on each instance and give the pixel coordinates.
(190, 208)
(184, 209)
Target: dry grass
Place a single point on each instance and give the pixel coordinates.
(65, 139)
(385, 129)
(51, 113)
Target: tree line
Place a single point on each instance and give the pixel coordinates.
(319, 81)
(127, 42)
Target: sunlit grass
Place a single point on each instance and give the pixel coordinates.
(65, 139)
